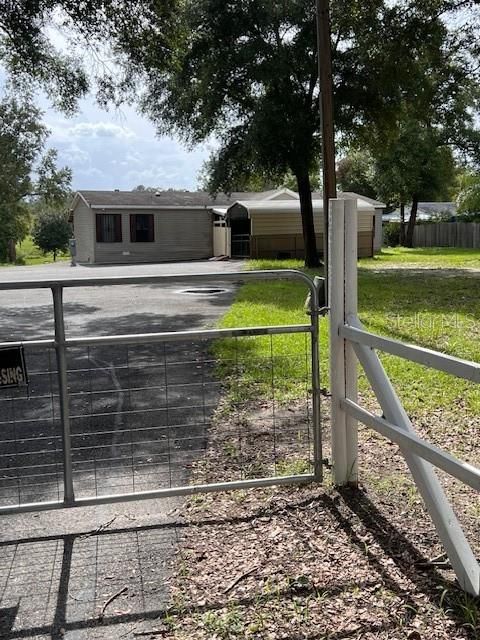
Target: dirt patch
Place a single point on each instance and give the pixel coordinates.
(313, 562)
(258, 439)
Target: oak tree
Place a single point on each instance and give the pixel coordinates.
(52, 231)
(28, 172)
(246, 73)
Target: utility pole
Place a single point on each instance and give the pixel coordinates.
(324, 55)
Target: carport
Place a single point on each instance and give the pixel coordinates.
(273, 228)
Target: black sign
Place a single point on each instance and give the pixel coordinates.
(13, 372)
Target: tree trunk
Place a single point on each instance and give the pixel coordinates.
(411, 222)
(308, 228)
(11, 251)
(401, 238)
(54, 255)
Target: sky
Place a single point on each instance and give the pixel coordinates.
(119, 150)
(115, 149)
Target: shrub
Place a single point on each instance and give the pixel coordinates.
(51, 232)
(391, 234)
(468, 217)
(440, 216)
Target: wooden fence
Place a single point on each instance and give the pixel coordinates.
(447, 234)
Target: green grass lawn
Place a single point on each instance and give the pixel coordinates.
(29, 254)
(438, 308)
(431, 257)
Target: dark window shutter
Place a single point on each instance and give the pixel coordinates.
(98, 222)
(133, 228)
(118, 227)
(151, 231)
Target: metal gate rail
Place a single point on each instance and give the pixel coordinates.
(61, 344)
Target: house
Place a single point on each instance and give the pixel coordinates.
(426, 211)
(142, 226)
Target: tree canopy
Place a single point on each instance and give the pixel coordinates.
(27, 171)
(68, 48)
(468, 196)
(246, 73)
(414, 165)
(355, 172)
(412, 143)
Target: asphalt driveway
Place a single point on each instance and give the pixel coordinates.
(140, 416)
(117, 309)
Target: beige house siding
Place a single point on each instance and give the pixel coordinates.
(281, 233)
(84, 232)
(179, 235)
(285, 223)
(291, 246)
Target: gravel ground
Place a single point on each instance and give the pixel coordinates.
(314, 562)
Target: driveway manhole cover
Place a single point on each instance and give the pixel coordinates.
(203, 291)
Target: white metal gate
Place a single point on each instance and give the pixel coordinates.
(124, 417)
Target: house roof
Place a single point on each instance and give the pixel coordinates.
(281, 206)
(351, 195)
(438, 207)
(170, 198)
(376, 204)
(274, 200)
(426, 211)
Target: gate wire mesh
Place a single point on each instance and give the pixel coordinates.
(31, 462)
(153, 416)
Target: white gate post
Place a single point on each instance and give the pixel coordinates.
(351, 308)
(342, 293)
(336, 275)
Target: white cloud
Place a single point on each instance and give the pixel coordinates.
(100, 130)
(91, 173)
(77, 155)
(119, 150)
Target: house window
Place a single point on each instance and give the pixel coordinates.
(141, 227)
(109, 227)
